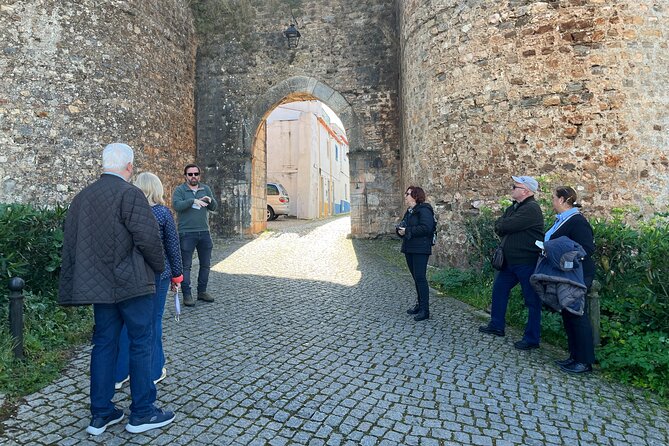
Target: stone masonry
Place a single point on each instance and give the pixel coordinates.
(574, 90)
(455, 96)
(77, 75)
(346, 58)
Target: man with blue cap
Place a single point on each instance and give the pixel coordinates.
(521, 225)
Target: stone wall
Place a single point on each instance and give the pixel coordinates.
(76, 75)
(573, 90)
(347, 58)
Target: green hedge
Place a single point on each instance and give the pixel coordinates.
(30, 245)
(632, 265)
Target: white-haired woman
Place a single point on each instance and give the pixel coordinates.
(152, 187)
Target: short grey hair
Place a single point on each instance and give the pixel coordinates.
(116, 156)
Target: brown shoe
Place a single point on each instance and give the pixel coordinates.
(205, 297)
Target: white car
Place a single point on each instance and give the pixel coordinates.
(277, 201)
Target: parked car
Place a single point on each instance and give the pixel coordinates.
(277, 201)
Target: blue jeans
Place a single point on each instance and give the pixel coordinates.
(136, 314)
(505, 280)
(158, 356)
(190, 241)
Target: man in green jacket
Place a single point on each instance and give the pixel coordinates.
(193, 201)
(521, 225)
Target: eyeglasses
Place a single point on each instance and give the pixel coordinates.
(193, 174)
(407, 193)
(517, 187)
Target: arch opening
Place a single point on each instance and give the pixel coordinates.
(321, 187)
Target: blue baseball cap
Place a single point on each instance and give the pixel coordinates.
(529, 182)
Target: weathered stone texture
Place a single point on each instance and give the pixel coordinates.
(573, 90)
(346, 58)
(76, 75)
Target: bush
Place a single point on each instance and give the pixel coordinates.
(632, 266)
(638, 359)
(482, 238)
(30, 244)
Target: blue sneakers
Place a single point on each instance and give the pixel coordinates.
(159, 418)
(99, 424)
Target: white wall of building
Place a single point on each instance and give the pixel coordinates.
(307, 153)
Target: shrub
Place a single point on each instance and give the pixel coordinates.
(632, 266)
(638, 359)
(481, 236)
(30, 245)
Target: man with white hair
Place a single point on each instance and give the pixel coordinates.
(111, 253)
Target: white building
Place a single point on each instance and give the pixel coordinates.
(308, 154)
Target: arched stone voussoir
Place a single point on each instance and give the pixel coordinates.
(298, 88)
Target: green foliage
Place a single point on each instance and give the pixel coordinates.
(638, 359)
(482, 239)
(632, 267)
(451, 279)
(30, 244)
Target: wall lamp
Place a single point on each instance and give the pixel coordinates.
(293, 36)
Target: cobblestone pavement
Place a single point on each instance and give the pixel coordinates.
(308, 343)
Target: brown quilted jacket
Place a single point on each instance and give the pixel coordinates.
(112, 247)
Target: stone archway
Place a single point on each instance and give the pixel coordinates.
(297, 88)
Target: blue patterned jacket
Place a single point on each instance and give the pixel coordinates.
(170, 238)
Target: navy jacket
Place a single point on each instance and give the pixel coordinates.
(579, 230)
(558, 278)
(419, 223)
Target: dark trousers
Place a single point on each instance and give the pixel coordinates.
(579, 336)
(505, 280)
(190, 241)
(417, 264)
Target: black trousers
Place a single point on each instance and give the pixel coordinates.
(579, 336)
(417, 264)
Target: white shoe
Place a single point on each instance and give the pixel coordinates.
(163, 375)
(118, 385)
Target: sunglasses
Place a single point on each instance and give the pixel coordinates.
(193, 174)
(517, 187)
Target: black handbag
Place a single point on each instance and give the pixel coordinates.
(497, 258)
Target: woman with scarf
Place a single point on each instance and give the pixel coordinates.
(570, 223)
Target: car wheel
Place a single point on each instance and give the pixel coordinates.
(270, 213)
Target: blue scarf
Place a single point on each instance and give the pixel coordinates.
(559, 219)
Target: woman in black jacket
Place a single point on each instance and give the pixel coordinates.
(570, 223)
(416, 230)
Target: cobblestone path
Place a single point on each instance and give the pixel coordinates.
(308, 343)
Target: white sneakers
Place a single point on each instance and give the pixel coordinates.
(162, 376)
(118, 385)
